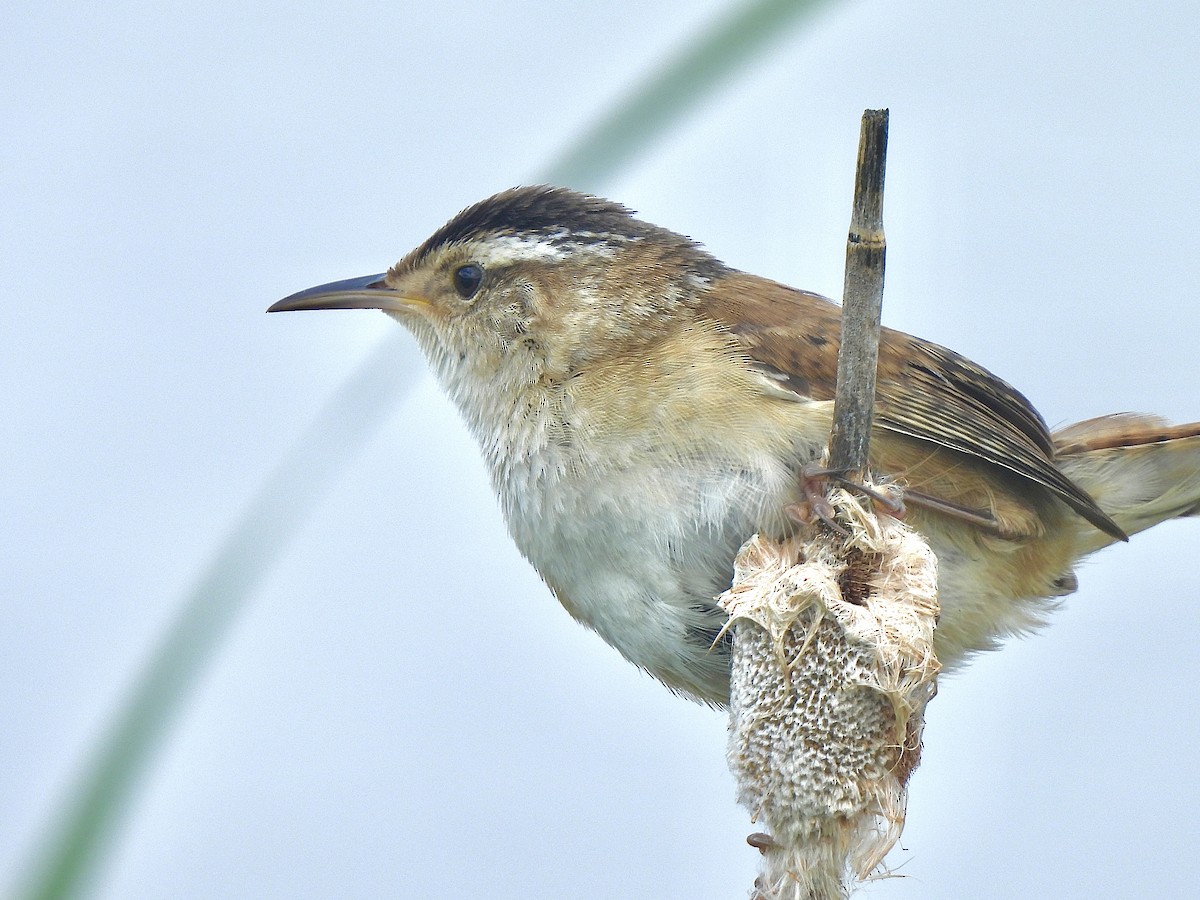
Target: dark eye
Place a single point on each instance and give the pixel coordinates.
(467, 280)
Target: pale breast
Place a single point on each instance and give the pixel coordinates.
(635, 504)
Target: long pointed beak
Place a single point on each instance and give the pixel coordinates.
(367, 292)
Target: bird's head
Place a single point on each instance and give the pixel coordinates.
(529, 286)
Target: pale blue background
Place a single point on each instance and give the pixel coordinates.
(404, 711)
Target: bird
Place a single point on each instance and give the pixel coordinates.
(643, 410)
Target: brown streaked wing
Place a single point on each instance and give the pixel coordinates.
(924, 391)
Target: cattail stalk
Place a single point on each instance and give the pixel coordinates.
(833, 659)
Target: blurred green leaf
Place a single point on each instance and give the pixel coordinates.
(85, 828)
(673, 92)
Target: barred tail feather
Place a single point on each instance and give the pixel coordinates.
(1140, 469)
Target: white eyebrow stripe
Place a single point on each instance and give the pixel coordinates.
(512, 247)
(555, 246)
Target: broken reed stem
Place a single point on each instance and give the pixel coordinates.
(862, 303)
(833, 633)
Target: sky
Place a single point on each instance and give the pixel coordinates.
(402, 709)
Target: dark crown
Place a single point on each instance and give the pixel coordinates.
(556, 215)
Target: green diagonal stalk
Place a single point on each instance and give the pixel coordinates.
(668, 95)
(85, 827)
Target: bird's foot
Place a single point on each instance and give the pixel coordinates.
(815, 506)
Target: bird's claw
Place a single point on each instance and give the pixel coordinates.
(816, 506)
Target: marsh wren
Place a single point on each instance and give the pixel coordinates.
(644, 409)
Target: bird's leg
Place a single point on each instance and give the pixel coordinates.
(981, 517)
(890, 503)
(814, 480)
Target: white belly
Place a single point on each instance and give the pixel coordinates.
(629, 554)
